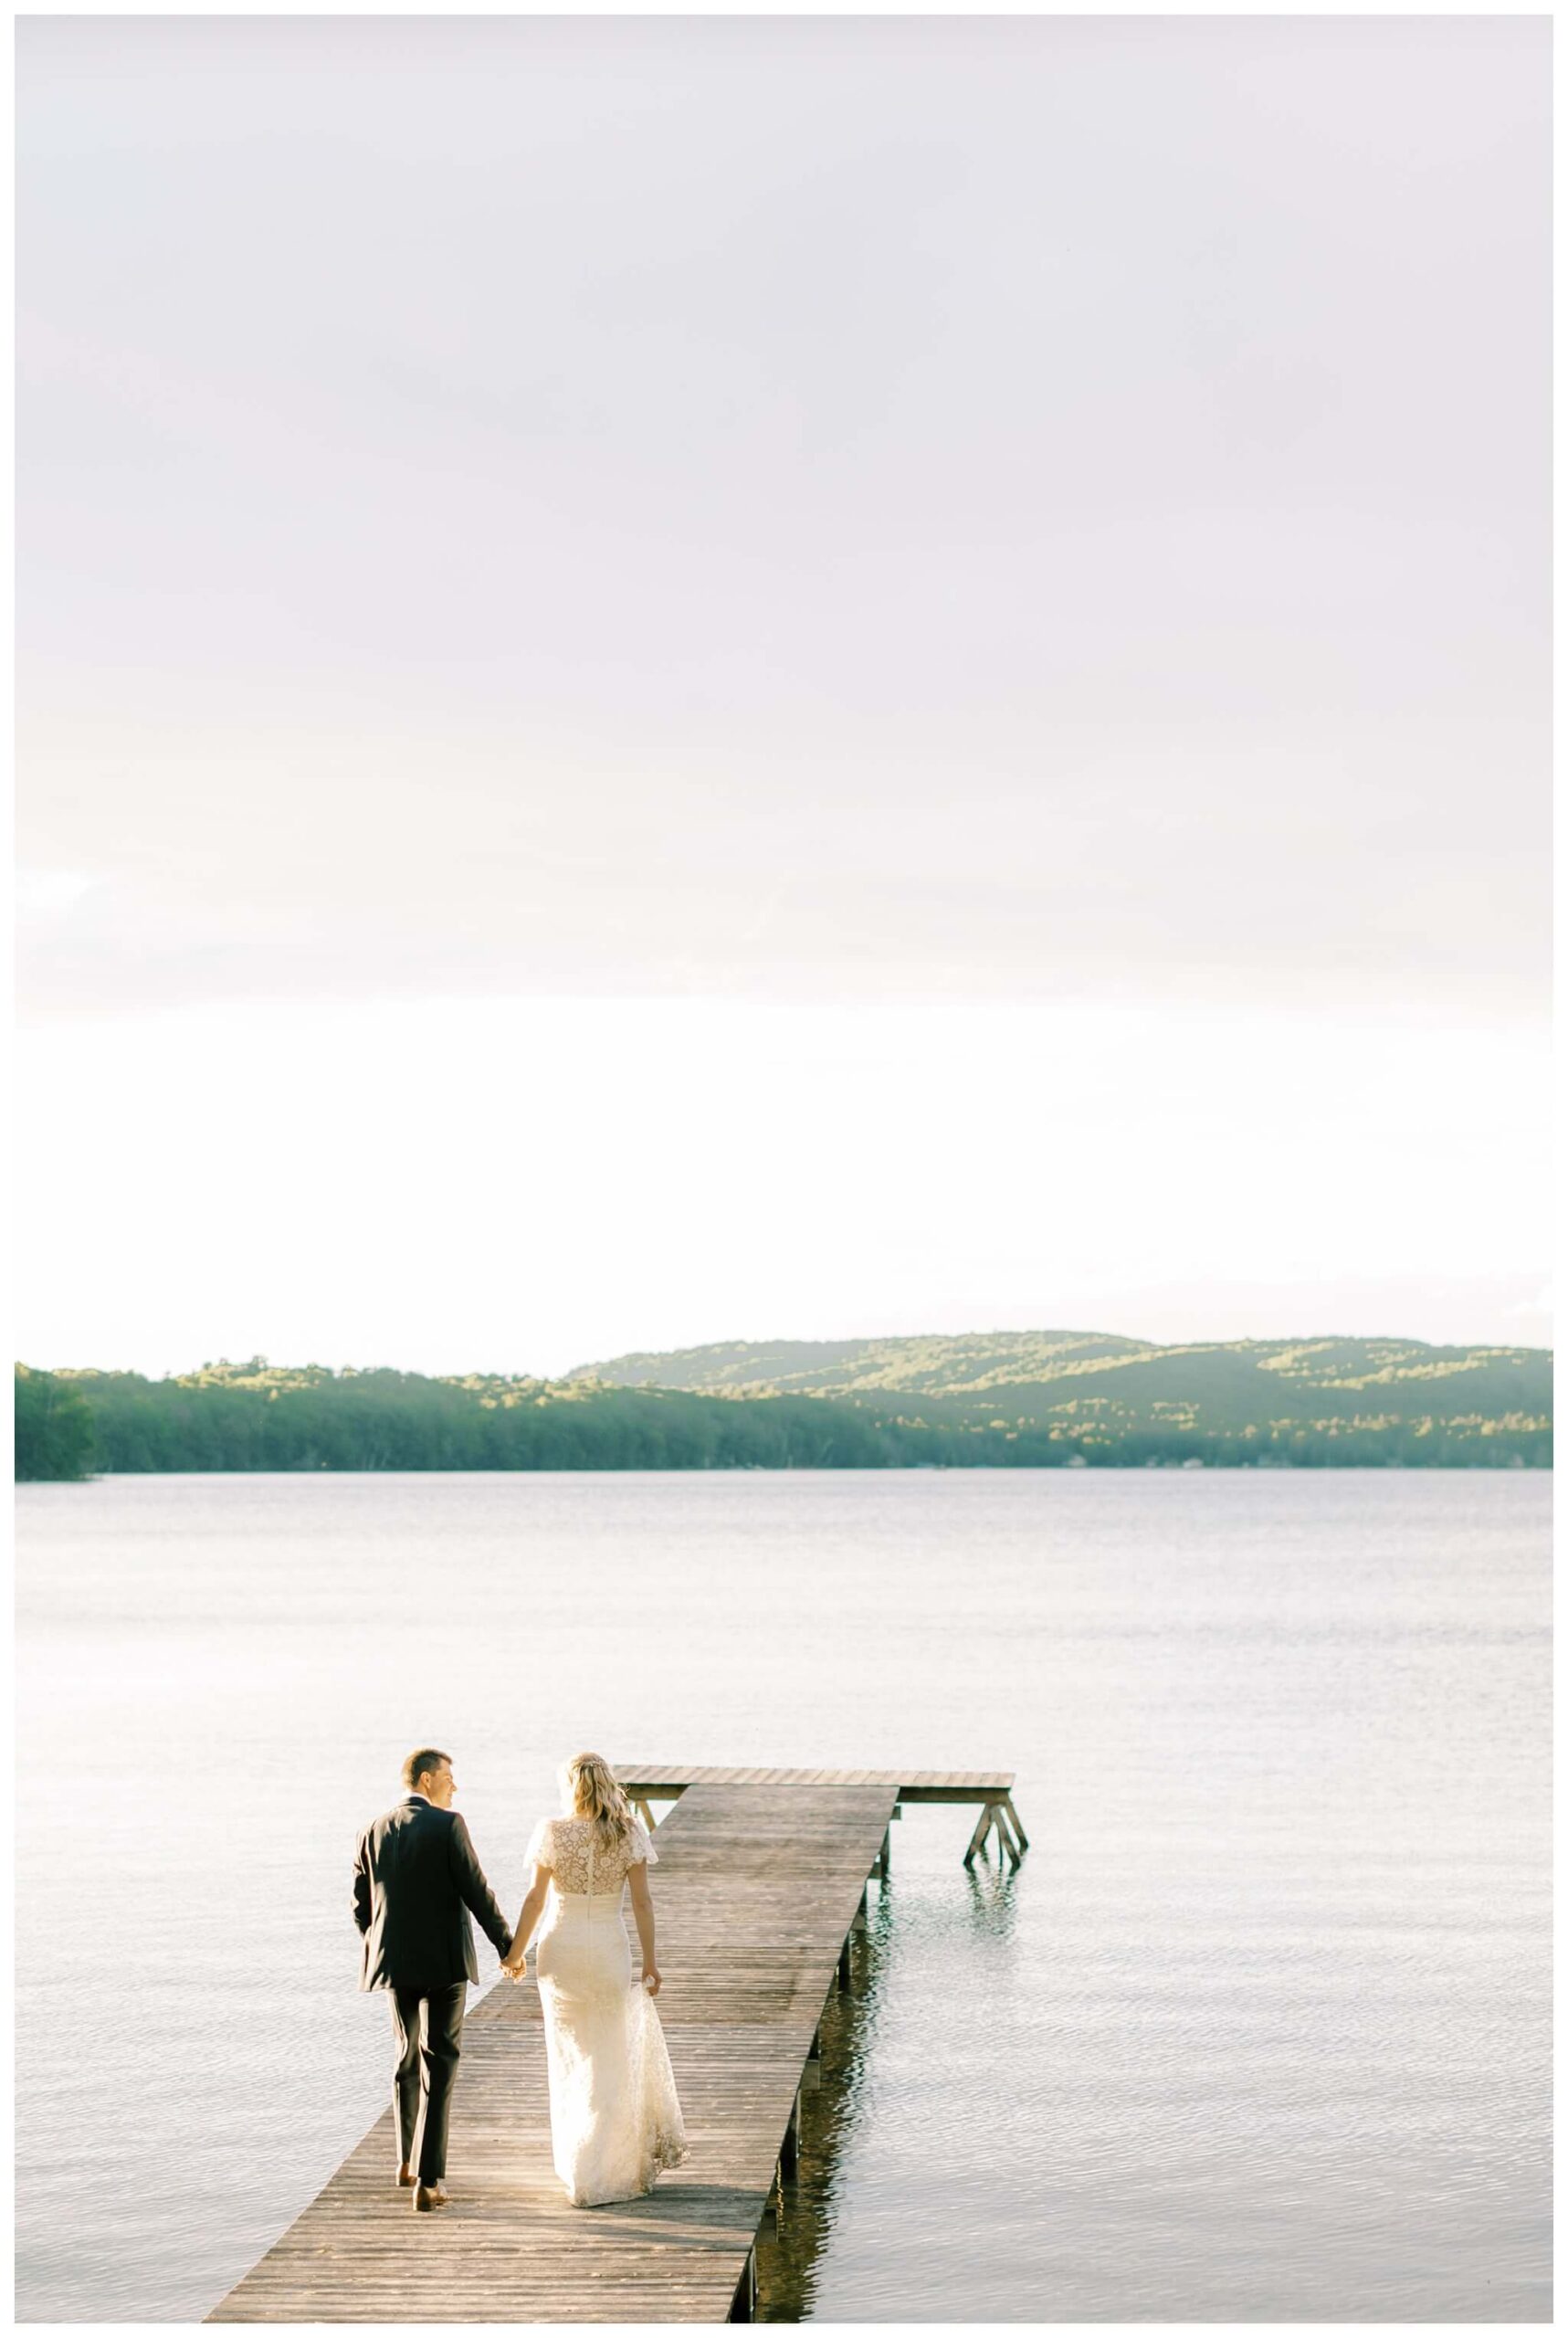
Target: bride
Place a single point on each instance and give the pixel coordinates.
(615, 2120)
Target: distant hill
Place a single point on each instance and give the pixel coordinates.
(1105, 1388)
(982, 1400)
(943, 1363)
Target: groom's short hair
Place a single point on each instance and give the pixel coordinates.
(427, 1759)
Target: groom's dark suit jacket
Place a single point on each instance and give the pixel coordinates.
(416, 1877)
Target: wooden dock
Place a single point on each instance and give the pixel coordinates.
(992, 1789)
(760, 1895)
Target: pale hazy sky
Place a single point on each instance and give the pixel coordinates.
(712, 678)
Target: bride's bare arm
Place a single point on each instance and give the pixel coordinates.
(642, 1909)
(531, 1909)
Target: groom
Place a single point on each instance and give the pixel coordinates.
(416, 1877)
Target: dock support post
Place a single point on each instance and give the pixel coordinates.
(1016, 1821)
(745, 2308)
(982, 1828)
(844, 1968)
(885, 1855)
(789, 2150)
(1001, 1818)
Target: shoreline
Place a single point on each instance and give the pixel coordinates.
(1511, 1467)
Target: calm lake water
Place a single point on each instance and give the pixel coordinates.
(1261, 2032)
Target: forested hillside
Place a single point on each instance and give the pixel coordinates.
(1106, 1391)
(1004, 1400)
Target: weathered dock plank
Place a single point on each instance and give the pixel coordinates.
(757, 1890)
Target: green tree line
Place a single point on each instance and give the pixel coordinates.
(254, 1417)
(54, 1427)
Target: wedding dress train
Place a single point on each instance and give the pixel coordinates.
(614, 2117)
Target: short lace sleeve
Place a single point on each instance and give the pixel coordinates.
(541, 1851)
(641, 1851)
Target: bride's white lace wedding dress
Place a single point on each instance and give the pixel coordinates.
(614, 2119)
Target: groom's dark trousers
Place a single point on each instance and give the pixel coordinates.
(428, 2028)
(416, 1880)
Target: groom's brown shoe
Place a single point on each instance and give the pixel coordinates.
(405, 2177)
(429, 2195)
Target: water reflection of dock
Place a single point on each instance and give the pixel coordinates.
(762, 1900)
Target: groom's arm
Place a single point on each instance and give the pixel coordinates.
(362, 1885)
(475, 1891)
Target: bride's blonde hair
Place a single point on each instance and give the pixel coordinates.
(596, 1795)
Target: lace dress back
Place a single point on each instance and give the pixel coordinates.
(614, 2117)
(578, 1860)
